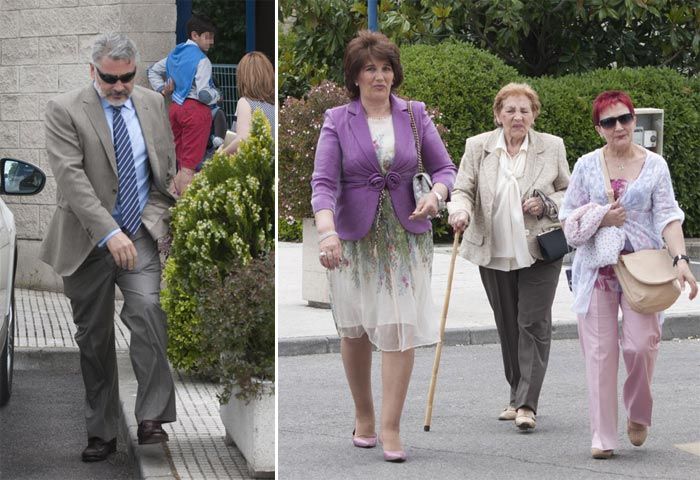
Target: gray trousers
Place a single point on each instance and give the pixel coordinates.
(522, 307)
(91, 292)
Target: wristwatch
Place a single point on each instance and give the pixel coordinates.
(441, 200)
(681, 257)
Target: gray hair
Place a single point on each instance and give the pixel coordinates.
(116, 46)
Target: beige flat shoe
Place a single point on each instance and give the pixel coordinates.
(636, 434)
(508, 413)
(599, 454)
(525, 419)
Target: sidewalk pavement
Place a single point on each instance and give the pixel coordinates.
(304, 330)
(196, 449)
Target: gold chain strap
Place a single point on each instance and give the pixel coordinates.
(415, 137)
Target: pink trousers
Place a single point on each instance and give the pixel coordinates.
(598, 333)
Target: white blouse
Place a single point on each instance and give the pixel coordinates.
(509, 250)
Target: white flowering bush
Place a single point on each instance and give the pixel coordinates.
(224, 220)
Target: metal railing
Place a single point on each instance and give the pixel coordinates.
(224, 76)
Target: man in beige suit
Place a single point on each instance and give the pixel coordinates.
(111, 151)
(508, 190)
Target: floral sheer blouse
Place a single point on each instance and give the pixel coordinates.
(649, 202)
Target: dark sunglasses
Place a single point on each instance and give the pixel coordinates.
(112, 79)
(608, 123)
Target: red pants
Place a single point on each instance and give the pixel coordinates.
(191, 124)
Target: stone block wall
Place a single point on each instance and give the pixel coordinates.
(45, 49)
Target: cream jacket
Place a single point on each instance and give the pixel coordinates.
(546, 170)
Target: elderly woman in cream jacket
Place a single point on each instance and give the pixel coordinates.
(510, 183)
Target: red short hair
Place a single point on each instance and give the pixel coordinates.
(609, 98)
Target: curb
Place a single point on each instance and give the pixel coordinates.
(675, 326)
(151, 462)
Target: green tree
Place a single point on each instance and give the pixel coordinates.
(539, 37)
(229, 18)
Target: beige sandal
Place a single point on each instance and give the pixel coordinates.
(525, 420)
(508, 413)
(637, 435)
(599, 454)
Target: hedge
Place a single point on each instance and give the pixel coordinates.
(461, 81)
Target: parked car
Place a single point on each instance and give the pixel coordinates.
(18, 178)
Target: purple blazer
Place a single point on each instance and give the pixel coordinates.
(347, 178)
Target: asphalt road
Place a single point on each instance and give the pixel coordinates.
(466, 440)
(42, 429)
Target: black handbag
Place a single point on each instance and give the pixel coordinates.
(553, 244)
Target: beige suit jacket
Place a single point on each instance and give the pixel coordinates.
(546, 170)
(81, 155)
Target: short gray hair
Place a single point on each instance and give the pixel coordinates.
(116, 46)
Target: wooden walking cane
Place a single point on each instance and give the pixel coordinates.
(438, 349)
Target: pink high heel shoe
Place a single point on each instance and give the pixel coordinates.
(364, 442)
(396, 457)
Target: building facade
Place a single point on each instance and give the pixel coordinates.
(46, 46)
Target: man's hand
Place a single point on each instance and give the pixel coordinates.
(123, 251)
(182, 180)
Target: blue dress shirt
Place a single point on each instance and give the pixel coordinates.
(138, 147)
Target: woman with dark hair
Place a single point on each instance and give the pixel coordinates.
(644, 215)
(375, 241)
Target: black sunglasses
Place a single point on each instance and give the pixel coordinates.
(112, 79)
(608, 123)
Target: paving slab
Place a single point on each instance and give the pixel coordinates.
(306, 330)
(197, 449)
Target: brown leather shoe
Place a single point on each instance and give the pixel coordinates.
(151, 431)
(98, 450)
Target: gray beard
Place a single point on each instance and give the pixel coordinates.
(111, 101)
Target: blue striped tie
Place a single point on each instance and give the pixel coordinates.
(127, 197)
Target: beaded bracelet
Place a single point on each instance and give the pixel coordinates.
(326, 235)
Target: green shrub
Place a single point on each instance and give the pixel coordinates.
(224, 220)
(289, 230)
(240, 313)
(300, 127)
(295, 76)
(460, 81)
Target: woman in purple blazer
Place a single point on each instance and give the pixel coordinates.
(374, 240)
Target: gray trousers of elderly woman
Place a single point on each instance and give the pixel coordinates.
(522, 307)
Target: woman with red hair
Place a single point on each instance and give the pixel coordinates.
(644, 215)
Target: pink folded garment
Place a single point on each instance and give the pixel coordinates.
(596, 246)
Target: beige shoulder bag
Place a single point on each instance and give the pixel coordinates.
(647, 277)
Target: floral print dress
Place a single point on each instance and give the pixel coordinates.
(382, 287)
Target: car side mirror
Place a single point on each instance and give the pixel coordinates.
(21, 178)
